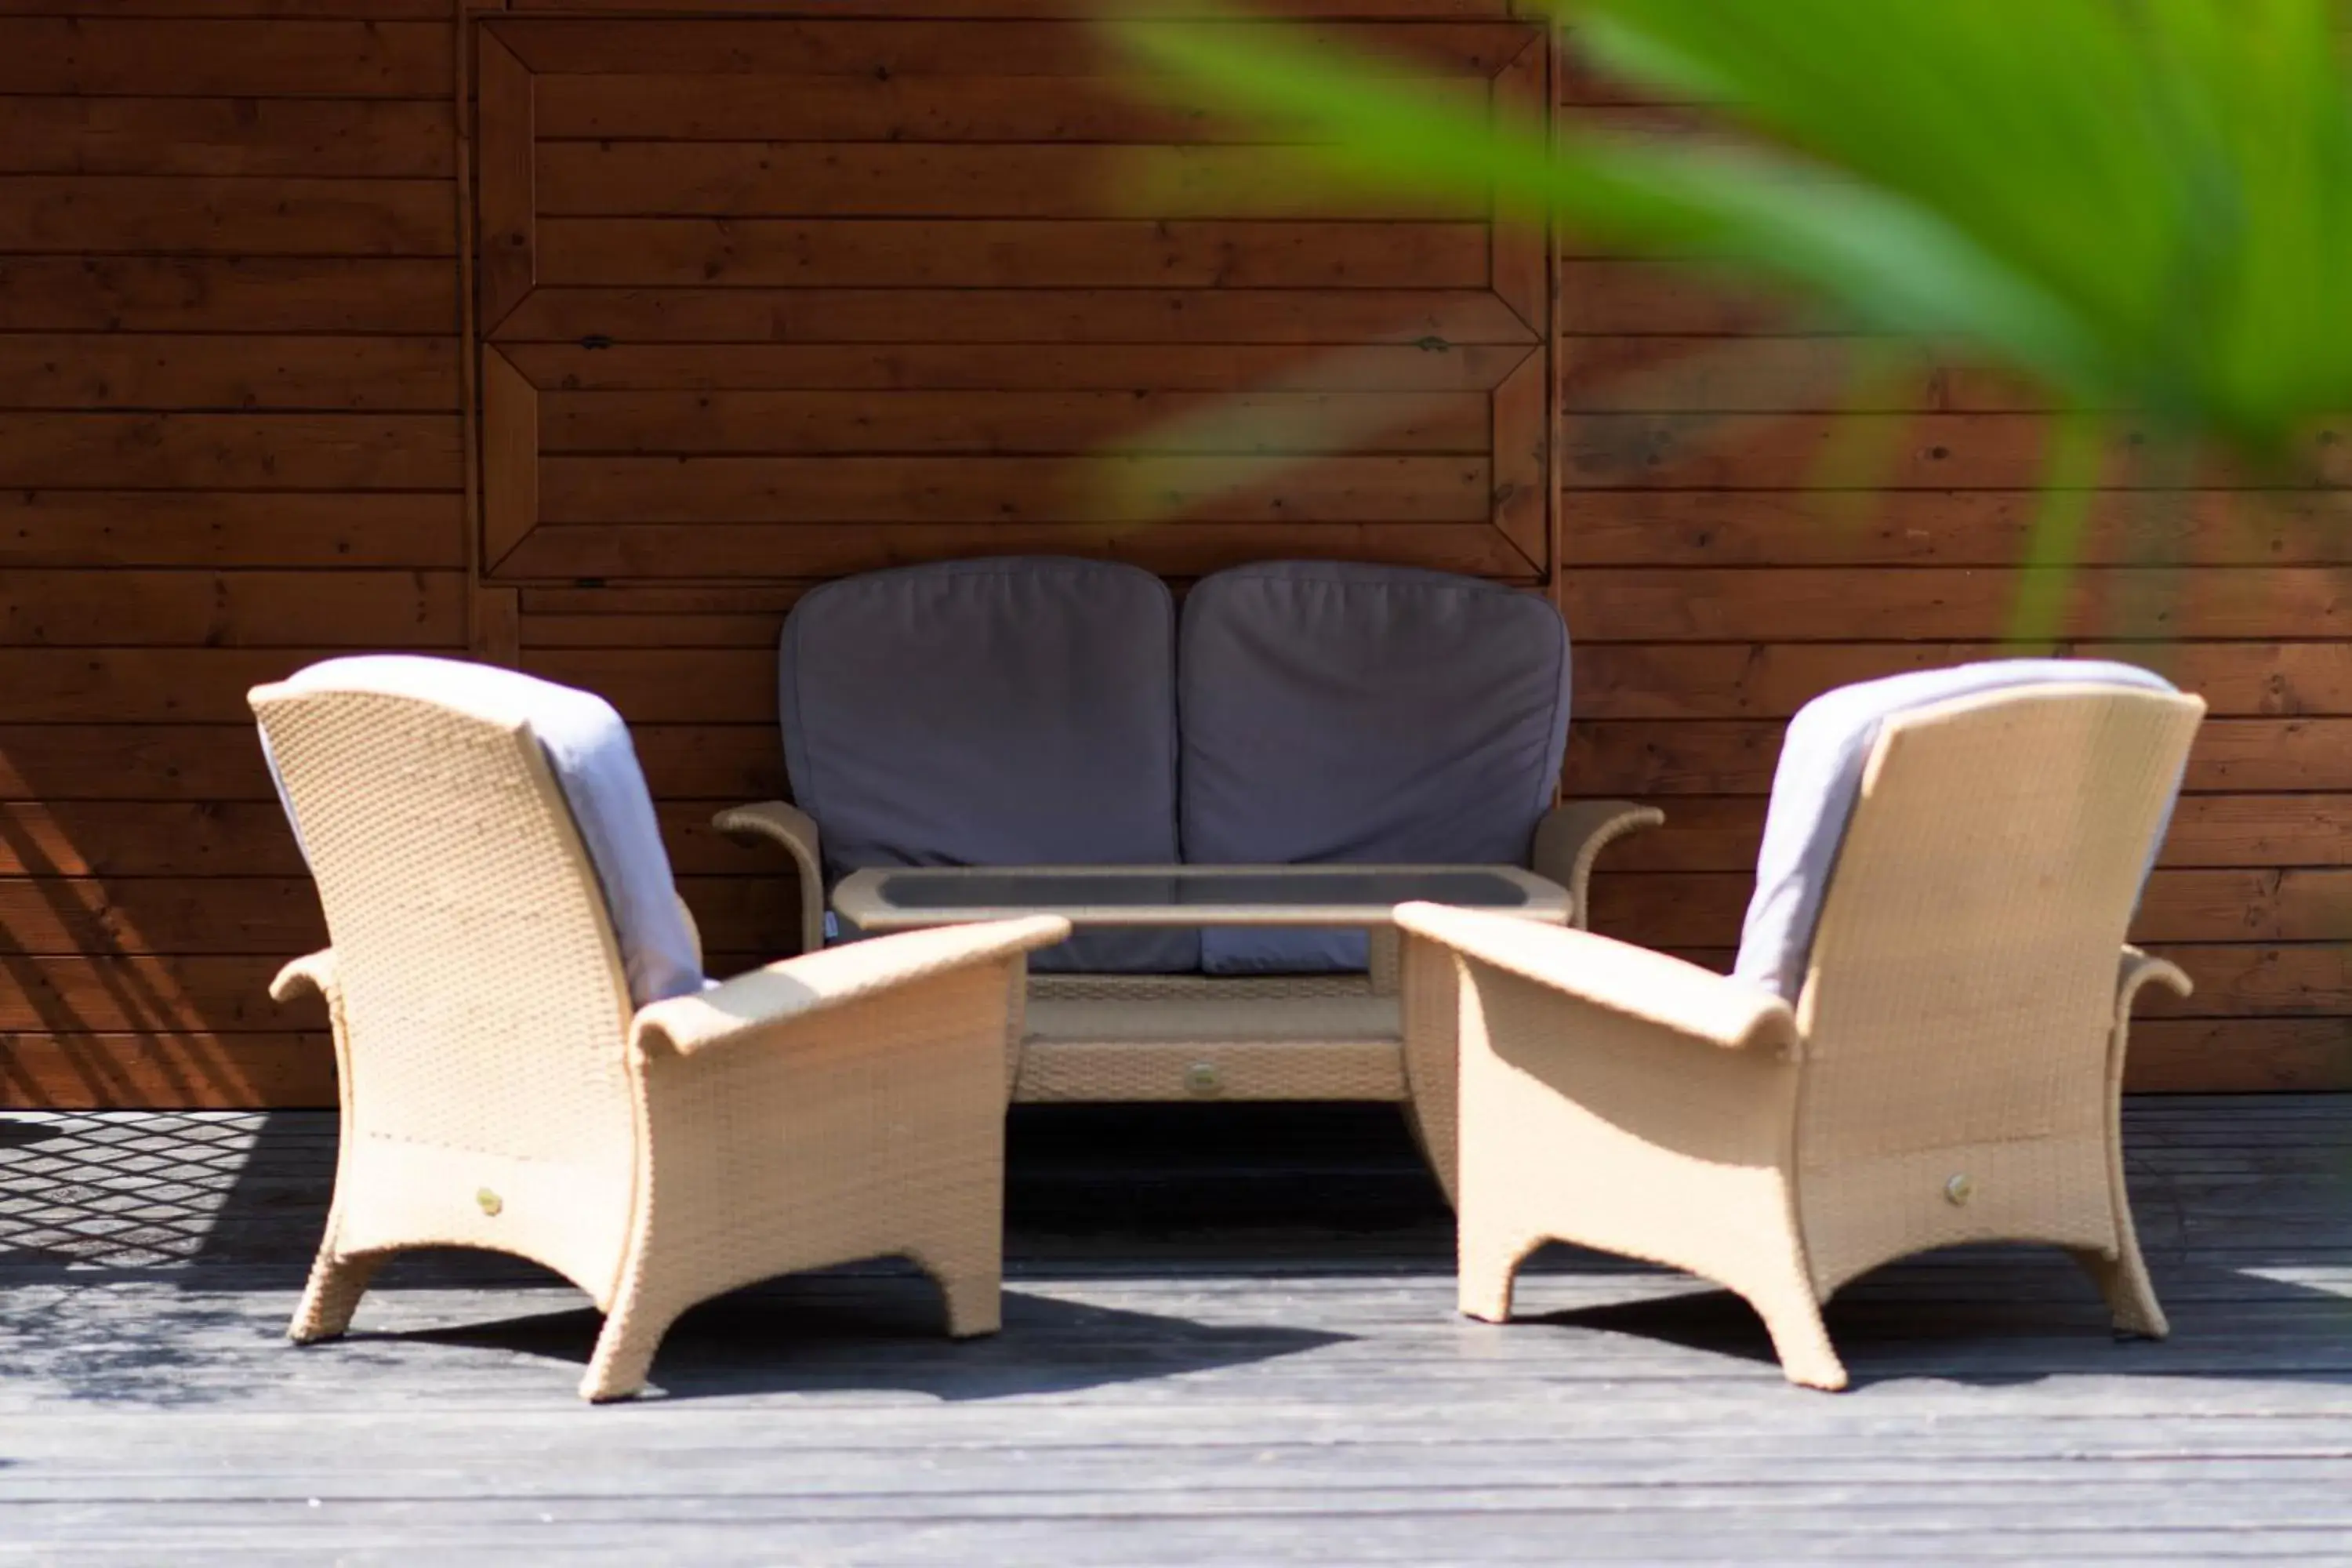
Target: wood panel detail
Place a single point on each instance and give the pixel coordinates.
(505, 140)
(510, 459)
(679, 373)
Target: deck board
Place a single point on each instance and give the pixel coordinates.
(1229, 1339)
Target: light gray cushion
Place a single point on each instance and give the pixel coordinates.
(1008, 711)
(1346, 712)
(1819, 778)
(587, 748)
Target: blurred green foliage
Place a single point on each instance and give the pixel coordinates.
(2143, 207)
(2143, 204)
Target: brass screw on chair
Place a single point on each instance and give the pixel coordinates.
(491, 1202)
(1202, 1079)
(1958, 1190)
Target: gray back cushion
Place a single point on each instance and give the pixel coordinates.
(1346, 712)
(1819, 779)
(1016, 710)
(587, 749)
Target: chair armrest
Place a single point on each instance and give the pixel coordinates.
(1615, 977)
(315, 972)
(785, 823)
(1570, 838)
(750, 1005)
(2136, 970)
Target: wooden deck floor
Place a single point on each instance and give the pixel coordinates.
(1229, 1339)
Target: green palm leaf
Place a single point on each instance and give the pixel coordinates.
(2143, 206)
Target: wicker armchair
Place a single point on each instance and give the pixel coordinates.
(505, 1087)
(1948, 1069)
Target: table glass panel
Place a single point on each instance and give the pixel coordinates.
(1144, 888)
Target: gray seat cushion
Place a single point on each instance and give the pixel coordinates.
(1345, 712)
(588, 749)
(1016, 710)
(1819, 779)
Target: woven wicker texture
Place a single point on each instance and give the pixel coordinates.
(781, 823)
(1305, 1069)
(1161, 1037)
(1568, 841)
(1951, 1072)
(1184, 990)
(497, 1092)
(1429, 1010)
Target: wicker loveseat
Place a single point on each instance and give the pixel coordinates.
(1058, 712)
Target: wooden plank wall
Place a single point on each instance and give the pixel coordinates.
(758, 300)
(229, 442)
(766, 301)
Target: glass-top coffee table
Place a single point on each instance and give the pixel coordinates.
(1385, 1033)
(904, 899)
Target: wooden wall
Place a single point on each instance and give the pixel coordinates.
(585, 340)
(229, 442)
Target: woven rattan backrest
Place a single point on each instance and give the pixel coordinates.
(484, 1000)
(1963, 974)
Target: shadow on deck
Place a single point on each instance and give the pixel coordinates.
(1214, 1316)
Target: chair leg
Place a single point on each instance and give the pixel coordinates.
(1799, 1338)
(972, 1280)
(1488, 1268)
(624, 1348)
(337, 1283)
(2121, 1276)
(2123, 1280)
